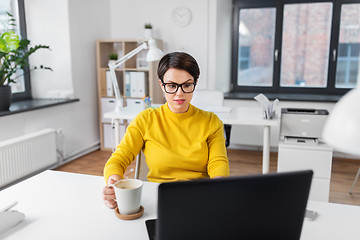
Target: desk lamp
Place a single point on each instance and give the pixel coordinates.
(154, 54)
(342, 129)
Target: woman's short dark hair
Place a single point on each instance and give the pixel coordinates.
(178, 60)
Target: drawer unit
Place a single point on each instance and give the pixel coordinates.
(317, 157)
(109, 135)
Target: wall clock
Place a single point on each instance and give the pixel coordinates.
(181, 16)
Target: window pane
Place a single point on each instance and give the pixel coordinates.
(305, 45)
(256, 46)
(349, 47)
(11, 6)
(353, 73)
(340, 73)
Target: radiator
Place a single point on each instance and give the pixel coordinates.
(27, 155)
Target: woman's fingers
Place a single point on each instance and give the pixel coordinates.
(109, 196)
(109, 193)
(110, 203)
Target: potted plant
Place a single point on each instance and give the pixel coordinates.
(113, 57)
(148, 30)
(14, 53)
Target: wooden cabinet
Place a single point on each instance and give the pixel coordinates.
(143, 74)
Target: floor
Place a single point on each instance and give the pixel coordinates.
(241, 163)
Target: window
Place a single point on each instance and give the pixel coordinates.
(257, 34)
(305, 45)
(21, 89)
(295, 46)
(347, 65)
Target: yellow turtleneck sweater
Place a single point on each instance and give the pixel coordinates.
(177, 146)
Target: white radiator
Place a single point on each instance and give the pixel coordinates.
(27, 155)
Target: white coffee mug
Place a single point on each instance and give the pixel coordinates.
(128, 195)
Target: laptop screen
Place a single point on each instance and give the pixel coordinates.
(269, 206)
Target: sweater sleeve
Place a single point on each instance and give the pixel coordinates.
(129, 147)
(218, 164)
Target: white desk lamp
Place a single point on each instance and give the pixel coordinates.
(154, 54)
(342, 129)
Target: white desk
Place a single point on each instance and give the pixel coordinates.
(237, 116)
(62, 206)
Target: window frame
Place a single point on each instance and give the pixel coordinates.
(330, 89)
(22, 21)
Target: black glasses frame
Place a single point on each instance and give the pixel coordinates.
(177, 87)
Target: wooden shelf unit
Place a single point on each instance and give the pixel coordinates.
(104, 47)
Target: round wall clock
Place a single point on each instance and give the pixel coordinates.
(181, 16)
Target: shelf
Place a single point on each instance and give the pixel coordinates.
(104, 48)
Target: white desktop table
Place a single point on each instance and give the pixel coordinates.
(60, 205)
(237, 116)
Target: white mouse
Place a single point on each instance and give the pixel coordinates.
(9, 219)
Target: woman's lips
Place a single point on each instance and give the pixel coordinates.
(179, 101)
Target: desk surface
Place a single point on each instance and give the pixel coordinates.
(236, 116)
(62, 205)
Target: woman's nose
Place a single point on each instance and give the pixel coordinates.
(179, 92)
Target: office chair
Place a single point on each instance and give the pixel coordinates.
(141, 168)
(211, 98)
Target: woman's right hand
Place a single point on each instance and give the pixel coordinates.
(109, 193)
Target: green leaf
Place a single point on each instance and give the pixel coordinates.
(12, 40)
(3, 46)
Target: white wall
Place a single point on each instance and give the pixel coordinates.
(220, 44)
(128, 19)
(71, 28)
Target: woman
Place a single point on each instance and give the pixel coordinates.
(180, 142)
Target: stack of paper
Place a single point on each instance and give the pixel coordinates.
(268, 107)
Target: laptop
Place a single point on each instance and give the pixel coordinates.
(269, 206)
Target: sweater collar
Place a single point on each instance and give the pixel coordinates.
(178, 115)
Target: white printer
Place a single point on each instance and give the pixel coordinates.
(300, 148)
(302, 123)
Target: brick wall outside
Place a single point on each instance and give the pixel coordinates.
(305, 40)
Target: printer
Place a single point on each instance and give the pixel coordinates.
(301, 147)
(302, 125)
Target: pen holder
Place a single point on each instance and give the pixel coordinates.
(147, 102)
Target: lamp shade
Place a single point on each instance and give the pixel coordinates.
(342, 129)
(154, 53)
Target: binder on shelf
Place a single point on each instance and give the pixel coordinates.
(137, 84)
(127, 84)
(140, 84)
(133, 84)
(109, 86)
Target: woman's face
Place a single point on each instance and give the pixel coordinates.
(179, 101)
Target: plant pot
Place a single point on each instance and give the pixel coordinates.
(5, 98)
(148, 33)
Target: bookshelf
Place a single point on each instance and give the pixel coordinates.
(136, 78)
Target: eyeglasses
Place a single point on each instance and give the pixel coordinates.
(173, 87)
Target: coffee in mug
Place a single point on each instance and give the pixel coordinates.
(128, 195)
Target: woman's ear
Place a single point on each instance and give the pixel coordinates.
(161, 86)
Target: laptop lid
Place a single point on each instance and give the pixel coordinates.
(270, 206)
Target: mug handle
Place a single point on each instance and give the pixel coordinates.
(112, 186)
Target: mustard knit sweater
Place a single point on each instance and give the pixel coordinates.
(177, 146)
